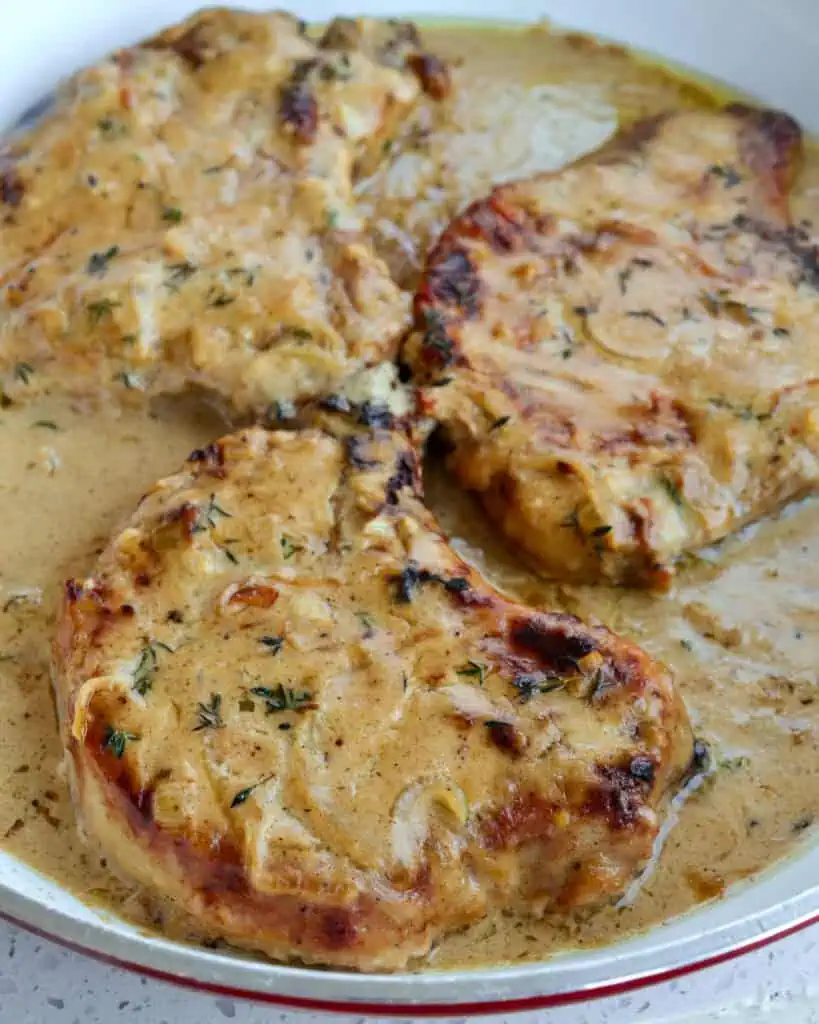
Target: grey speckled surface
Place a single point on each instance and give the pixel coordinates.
(41, 983)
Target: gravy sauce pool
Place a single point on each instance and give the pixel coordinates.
(740, 627)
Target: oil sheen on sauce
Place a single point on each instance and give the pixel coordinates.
(740, 627)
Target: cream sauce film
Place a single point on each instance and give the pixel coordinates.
(740, 628)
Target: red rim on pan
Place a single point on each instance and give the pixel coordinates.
(490, 1006)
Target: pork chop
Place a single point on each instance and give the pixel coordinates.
(624, 355)
(293, 712)
(184, 214)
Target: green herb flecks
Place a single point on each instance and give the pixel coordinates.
(229, 555)
(46, 425)
(243, 794)
(171, 214)
(209, 716)
(100, 309)
(179, 274)
(147, 665)
(283, 698)
(115, 740)
(273, 644)
(367, 623)
(646, 314)
(730, 175)
(529, 684)
(473, 670)
(288, 547)
(111, 128)
(132, 381)
(209, 515)
(24, 372)
(98, 261)
(673, 490)
(218, 299)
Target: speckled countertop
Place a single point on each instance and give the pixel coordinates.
(41, 983)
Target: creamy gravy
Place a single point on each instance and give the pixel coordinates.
(740, 628)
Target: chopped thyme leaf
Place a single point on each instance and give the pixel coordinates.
(673, 491)
(115, 740)
(623, 278)
(571, 522)
(288, 547)
(730, 176)
(98, 261)
(206, 520)
(299, 333)
(283, 698)
(601, 531)
(229, 555)
(147, 665)
(333, 217)
(274, 644)
(367, 622)
(781, 332)
(216, 300)
(171, 214)
(500, 422)
(280, 411)
(246, 704)
(686, 645)
(243, 794)
(131, 381)
(530, 683)
(110, 128)
(210, 714)
(472, 670)
(45, 424)
(179, 273)
(100, 309)
(24, 372)
(646, 314)
(733, 764)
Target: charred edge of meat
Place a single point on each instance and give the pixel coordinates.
(453, 281)
(770, 143)
(187, 514)
(506, 737)
(403, 476)
(438, 345)
(620, 794)
(12, 188)
(504, 230)
(554, 643)
(211, 456)
(298, 108)
(191, 46)
(432, 73)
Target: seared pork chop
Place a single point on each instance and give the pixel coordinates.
(184, 214)
(624, 355)
(294, 712)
